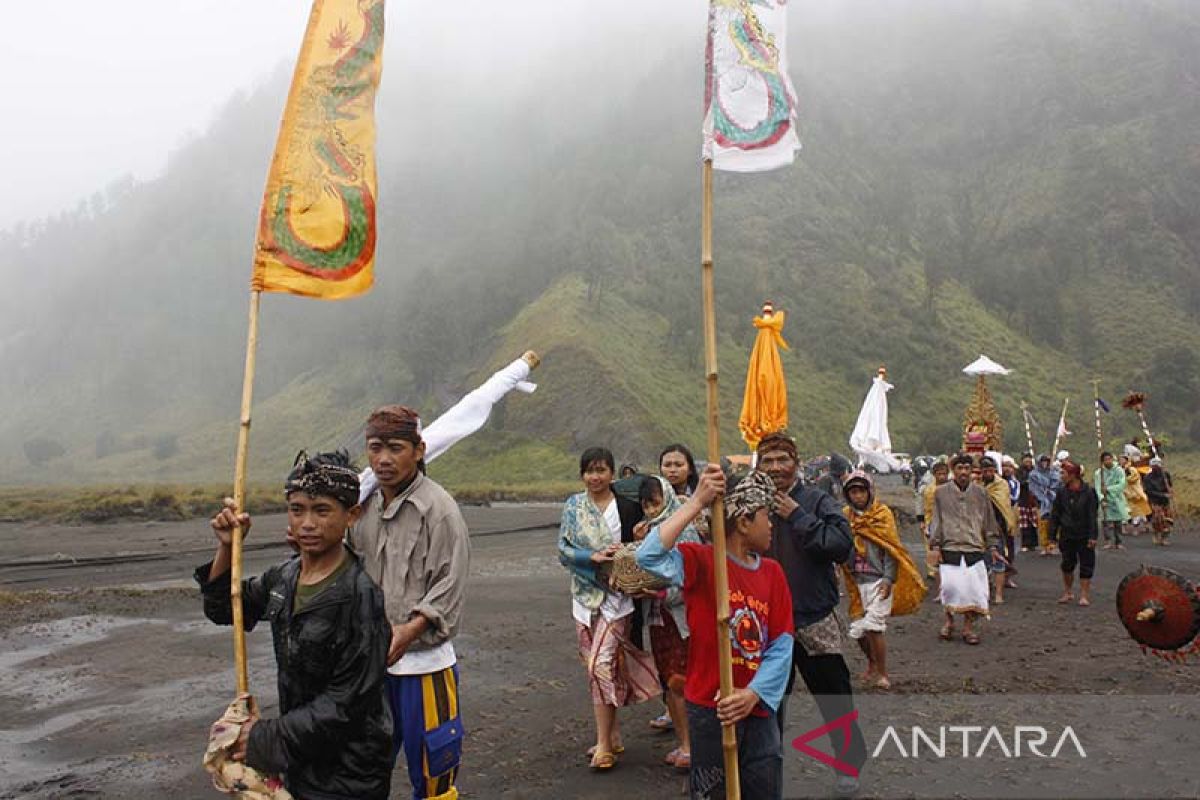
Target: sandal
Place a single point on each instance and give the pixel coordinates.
(662, 723)
(603, 761)
(617, 750)
(946, 633)
(683, 761)
(971, 638)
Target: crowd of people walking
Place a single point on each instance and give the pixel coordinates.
(365, 615)
(801, 546)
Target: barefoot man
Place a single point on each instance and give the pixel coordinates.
(1073, 524)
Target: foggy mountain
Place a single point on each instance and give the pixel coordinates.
(1016, 179)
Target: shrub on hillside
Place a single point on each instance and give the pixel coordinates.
(39, 450)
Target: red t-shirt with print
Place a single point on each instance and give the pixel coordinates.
(760, 609)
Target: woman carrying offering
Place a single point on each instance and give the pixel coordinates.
(594, 524)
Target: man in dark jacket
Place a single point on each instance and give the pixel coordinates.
(810, 536)
(333, 740)
(1159, 492)
(1073, 524)
(831, 483)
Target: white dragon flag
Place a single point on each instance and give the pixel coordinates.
(750, 105)
(467, 415)
(870, 439)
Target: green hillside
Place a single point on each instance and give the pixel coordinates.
(1011, 178)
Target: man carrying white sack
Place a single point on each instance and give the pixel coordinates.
(962, 532)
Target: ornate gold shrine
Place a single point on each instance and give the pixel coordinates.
(981, 422)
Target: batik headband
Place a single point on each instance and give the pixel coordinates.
(777, 441)
(751, 493)
(323, 479)
(394, 422)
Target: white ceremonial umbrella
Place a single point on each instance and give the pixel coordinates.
(985, 366)
(870, 439)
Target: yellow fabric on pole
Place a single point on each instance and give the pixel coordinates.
(764, 405)
(316, 234)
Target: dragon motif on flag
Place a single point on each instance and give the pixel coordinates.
(326, 161)
(757, 60)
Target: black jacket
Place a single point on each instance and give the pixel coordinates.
(808, 544)
(334, 738)
(1073, 515)
(1157, 487)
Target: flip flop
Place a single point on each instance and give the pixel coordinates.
(946, 633)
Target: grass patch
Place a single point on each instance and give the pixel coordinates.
(503, 468)
(12, 599)
(104, 504)
(1185, 472)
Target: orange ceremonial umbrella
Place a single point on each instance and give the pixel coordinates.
(764, 406)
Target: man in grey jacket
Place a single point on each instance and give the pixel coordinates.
(962, 533)
(412, 541)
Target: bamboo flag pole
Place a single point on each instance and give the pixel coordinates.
(720, 568)
(1062, 424)
(1137, 401)
(1099, 444)
(239, 500)
(1149, 439)
(327, 77)
(1028, 432)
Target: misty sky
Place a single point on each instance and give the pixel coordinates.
(96, 90)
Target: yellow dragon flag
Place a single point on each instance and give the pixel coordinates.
(765, 406)
(316, 232)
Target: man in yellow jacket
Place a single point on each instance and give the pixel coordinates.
(881, 578)
(941, 474)
(1006, 519)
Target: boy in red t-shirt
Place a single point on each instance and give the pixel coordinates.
(760, 607)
